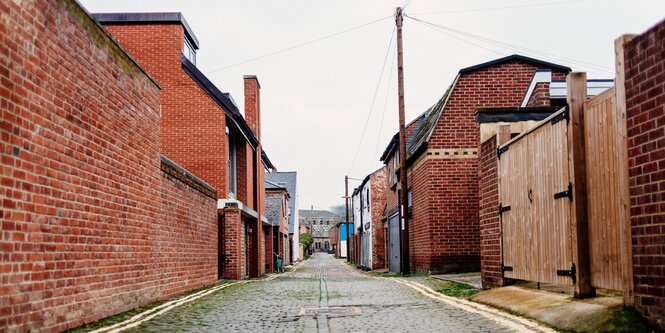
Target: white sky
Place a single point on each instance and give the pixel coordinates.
(315, 99)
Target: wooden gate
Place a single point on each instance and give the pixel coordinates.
(535, 204)
(606, 199)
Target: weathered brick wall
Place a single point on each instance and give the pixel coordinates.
(378, 197)
(645, 102)
(444, 228)
(192, 125)
(90, 225)
(186, 251)
(490, 221)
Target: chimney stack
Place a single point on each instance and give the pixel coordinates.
(253, 104)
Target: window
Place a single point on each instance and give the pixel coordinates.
(327, 222)
(189, 51)
(232, 166)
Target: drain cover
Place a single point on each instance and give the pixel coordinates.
(331, 310)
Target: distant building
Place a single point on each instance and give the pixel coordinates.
(290, 179)
(369, 202)
(319, 223)
(277, 234)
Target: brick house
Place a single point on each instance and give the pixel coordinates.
(369, 202)
(442, 160)
(95, 221)
(290, 179)
(203, 131)
(277, 234)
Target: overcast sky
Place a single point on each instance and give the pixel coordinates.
(317, 98)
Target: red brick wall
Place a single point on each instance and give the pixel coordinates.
(490, 222)
(234, 243)
(378, 204)
(193, 126)
(333, 235)
(444, 228)
(90, 225)
(645, 102)
(540, 95)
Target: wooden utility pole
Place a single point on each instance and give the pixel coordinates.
(348, 233)
(403, 188)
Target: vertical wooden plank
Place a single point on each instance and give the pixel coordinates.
(622, 170)
(577, 94)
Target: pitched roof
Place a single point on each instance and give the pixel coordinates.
(426, 122)
(514, 57)
(273, 210)
(290, 180)
(270, 185)
(315, 213)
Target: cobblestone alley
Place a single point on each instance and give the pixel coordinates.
(325, 295)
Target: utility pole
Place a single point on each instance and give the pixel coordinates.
(403, 188)
(348, 233)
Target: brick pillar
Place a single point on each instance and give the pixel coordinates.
(233, 243)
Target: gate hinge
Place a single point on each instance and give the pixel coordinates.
(561, 116)
(506, 268)
(567, 193)
(503, 209)
(571, 272)
(501, 150)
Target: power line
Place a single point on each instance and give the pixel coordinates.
(511, 47)
(371, 108)
(299, 45)
(499, 8)
(385, 103)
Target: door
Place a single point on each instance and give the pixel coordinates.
(247, 235)
(394, 250)
(535, 202)
(366, 249)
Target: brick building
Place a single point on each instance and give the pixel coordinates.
(94, 221)
(369, 202)
(645, 111)
(442, 160)
(277, 234)
(203, 130)
(290, 179)
(318, 223)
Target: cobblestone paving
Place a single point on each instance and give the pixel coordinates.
(323, 295)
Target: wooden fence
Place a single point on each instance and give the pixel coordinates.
(564, 198)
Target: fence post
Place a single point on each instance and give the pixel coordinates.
(502, 136)
(577, 94)
(625, 234)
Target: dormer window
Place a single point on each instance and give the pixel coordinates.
(189, 51)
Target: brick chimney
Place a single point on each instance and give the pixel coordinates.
(253, 104)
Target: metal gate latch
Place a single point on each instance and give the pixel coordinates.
(567, 193)
(571, 272)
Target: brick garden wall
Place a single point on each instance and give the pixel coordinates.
(645, 102)
(90, 224)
